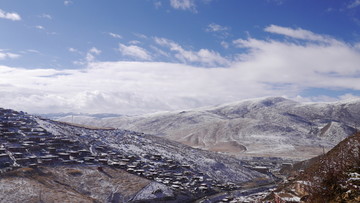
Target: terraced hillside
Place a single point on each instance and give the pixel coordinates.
(59, 160)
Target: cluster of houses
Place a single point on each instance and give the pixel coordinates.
(267, 164)
(24, 143)
(180, 177)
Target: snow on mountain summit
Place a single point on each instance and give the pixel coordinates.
(272, 126)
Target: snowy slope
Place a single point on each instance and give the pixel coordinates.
(219, 167)
(272, 126)
(47, 161)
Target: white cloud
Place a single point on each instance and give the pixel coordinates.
(68, 2)
(349, 96)
(203, 56)
(218, 30)
(114, 35)
(47, 16)
(213, 27)
(9, 16)
(299, 34)
(40, 27)
(329, 65)
(183, 5)
(90, 55)
(118, 87)
(139, 35)
(354, 4)
(7, 55)
(34, 51)
(225, 44)
(160, 52)
(94, 50)
(134, 52)
(71, 49)
(269, 67)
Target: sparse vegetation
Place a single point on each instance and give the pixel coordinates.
(332, 177)
(74, 172)
(329, 177)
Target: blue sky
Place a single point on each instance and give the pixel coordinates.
(143, 56)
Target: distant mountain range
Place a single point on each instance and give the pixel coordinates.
(55, 116)
(272, 126)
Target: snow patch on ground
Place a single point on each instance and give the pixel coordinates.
(153, 191)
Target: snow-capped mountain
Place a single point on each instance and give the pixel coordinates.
(272, 126)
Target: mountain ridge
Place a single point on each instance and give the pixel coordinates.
(269, 126)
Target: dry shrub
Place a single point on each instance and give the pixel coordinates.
(74, 172)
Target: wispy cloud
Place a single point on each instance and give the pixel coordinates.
(7, 55)
(159, 52)
(224, 44)
(134, 42)
(183, 5)
(114, 35)
(354, 4)
(278, 2)
(71, 49)
(89, 57)
(40, 27)
(157, 4)
(203, 56)
(68, 2)
(10, 16)
(213, 27)
(34, 51)
(43, 29)
(139, 35)
(219, 30)
(46, 16)
(299, 34)
(134, 51)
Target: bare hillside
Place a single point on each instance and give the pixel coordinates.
(272, 126)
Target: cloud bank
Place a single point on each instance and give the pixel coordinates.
(263, 67)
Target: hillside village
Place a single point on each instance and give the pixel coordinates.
(25, 143)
